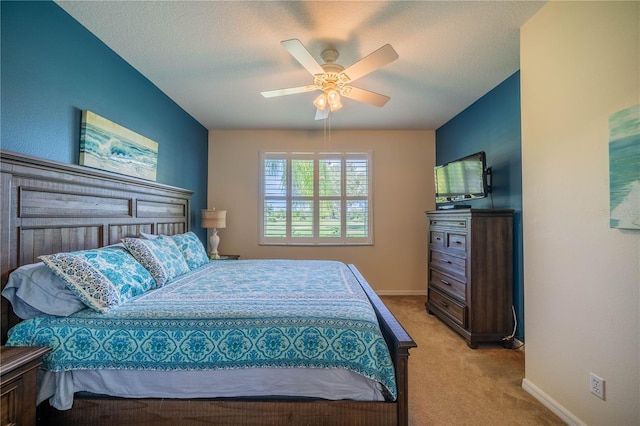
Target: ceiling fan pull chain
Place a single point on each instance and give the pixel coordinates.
(324, 126)
(330, 114)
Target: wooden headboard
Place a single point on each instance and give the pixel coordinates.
(48, 207)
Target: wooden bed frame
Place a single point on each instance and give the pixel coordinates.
(48, 207)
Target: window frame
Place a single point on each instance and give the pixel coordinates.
(315, 240)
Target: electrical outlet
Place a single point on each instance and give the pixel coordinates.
(596, 385)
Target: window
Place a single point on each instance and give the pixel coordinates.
(312, 198)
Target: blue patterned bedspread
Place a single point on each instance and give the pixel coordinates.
(225, 315)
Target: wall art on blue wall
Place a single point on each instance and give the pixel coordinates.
(624, 168)
(108, 146)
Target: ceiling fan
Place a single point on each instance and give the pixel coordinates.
(333, 79)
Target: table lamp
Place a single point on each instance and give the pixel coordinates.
(213, 219)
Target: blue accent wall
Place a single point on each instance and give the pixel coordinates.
(492, 124)
(53, 68)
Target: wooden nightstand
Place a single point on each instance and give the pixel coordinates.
(18, 371)
(228, 257)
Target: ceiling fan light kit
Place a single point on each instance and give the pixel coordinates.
(330, 97)
(333, 79)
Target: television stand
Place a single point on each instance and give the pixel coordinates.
(470, 272)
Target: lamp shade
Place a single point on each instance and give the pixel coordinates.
(214, 219)
(320, 101)
(333, 99)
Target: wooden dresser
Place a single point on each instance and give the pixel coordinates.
(18, 371)
(470, 272)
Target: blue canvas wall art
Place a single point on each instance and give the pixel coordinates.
(624, 168)
(108, 146)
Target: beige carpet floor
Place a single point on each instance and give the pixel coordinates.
(451, 384)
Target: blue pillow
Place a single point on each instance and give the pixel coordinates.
(35, 289)
(102, 278)
(192, 249)
(161, 256)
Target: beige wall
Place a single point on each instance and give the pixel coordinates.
(403, 164)
(579, 64)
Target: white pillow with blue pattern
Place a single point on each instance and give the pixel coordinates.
(192, 249)
(161, 256)
(102, 278)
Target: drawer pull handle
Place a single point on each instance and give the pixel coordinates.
(458, 242)
(447, 261)
(445, 282)
(461, 223)
(444, 304)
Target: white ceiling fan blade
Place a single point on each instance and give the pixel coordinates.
(371, 62)
(321, 114)
(289, 91)
(302, 55)
(365, 96)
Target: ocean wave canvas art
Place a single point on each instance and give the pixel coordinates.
(106, 145)
(624, 168)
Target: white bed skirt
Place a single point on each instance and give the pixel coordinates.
(258, 382)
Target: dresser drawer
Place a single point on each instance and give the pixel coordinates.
(449, 223)
(455, 310)
(436, 238)
(456, 241)
(448, 285)
(447, 263)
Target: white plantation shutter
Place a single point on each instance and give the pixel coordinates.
(357, 197)
(313, 198)
(275, 200)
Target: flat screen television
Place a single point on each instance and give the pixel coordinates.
(463, 179)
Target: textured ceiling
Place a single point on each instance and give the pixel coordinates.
(213, 58)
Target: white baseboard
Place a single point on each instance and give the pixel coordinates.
(565, 415)
(402, 293)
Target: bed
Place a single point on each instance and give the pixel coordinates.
(48, 208)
